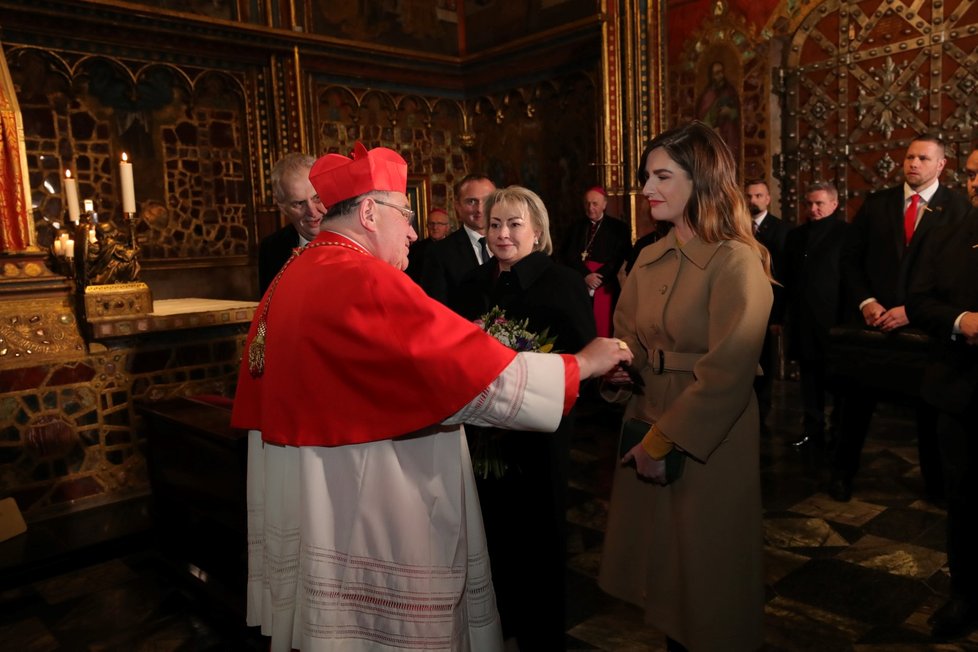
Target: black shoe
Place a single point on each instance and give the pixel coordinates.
(840, 490)
(958, 617)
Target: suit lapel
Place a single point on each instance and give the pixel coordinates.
(933, 215)
(894, 219)
(465, 247)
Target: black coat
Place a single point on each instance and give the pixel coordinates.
(551, 296)
(813, 284)
(611, 246)
(876, 261)
(943, 286)
(273, 251)
(773, 233)
(416, 257)
(524, 512)
(446, 263)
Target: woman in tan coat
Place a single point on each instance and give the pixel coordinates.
(693, 311)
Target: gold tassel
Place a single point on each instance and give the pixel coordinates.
(256, 352)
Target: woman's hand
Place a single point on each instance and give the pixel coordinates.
(617, 376)
(648, 468)
(602, 354)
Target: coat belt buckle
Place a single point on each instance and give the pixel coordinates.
(658, 362)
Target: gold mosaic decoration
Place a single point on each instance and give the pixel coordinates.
(38, 329)
(117, 300)
(82, 112)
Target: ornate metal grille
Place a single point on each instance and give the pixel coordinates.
(862, 78)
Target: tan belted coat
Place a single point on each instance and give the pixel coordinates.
(690, 554)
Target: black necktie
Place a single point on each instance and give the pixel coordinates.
(483, 251)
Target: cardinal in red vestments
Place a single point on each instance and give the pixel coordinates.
(364, 525)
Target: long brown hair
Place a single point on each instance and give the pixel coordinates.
(716, 210)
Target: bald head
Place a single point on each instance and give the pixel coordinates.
(971, 168)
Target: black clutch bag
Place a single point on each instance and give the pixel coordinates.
(633, 431)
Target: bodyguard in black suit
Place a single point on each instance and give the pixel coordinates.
(771, 232)
(299, 204)
(448, 261)
(813, 289)
(943, 300)
(879, 258)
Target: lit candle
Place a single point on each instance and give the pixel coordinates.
(128, 192)
(58, 249)
(89, 205)
(70, 249)
(71, 196)
(91, 235)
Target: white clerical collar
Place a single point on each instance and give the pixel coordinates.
(925, 194)
(350, 238)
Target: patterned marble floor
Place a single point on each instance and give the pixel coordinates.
(860, 576)
(863, 575)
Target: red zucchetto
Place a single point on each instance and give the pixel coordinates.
(336, 177)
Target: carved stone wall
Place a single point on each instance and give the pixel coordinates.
(542, 136)
(69, 433)
(203, 106)
(185, 129)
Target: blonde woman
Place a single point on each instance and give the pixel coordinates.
(524, 507)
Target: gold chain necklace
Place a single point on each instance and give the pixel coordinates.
(256, 350)
(587, 248)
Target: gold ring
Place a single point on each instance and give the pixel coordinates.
(622, 345)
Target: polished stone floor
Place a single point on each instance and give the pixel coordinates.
(861, 576)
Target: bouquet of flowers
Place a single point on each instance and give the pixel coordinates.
(515, 333)
(487, 453)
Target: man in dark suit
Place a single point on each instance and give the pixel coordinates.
(597, 246)
(439, 226)
(813, 290)
(449, 260)
(879, 257)
(771, 232)
(299, 204)
(943, 300)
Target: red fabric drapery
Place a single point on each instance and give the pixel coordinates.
(13, 205)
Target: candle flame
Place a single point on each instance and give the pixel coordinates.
(124, 157)
(67, 174)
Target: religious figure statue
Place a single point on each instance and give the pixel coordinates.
(111, 258)
(719, 106)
